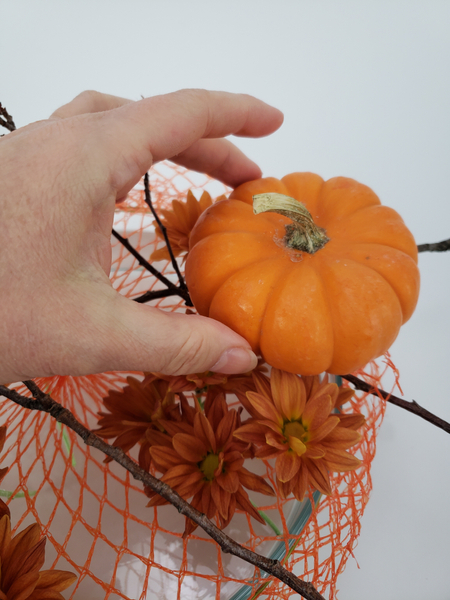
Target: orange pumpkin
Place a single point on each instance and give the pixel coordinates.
(307, 307)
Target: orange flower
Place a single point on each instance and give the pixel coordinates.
(137, 407)
(205, 462)
(293, 421)
(179, 222)
(21, 558)
(211, 383)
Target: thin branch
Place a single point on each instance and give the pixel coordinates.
(435, 247)
(144, 263)
(148, 200)
(411, 407)
(43, 402)
(157, 294)
(6, 119)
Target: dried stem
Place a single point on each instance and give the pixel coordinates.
(410, 406)
(6, 119)
(434, 247)
(148, 200)
(45, 403)
(175, 290)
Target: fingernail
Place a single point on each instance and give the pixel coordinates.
(235, 360)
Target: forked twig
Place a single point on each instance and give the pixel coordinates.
(6, 119)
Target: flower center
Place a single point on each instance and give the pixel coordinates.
(209, 465)
(294, 429)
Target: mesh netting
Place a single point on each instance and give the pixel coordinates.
(94, 514)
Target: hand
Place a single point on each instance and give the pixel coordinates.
(59, 182)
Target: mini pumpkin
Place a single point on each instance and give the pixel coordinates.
(325, 289)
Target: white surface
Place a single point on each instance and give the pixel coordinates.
(365, 90)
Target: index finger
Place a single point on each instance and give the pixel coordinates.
(163, 126)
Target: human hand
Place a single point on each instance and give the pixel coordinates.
(59, 182)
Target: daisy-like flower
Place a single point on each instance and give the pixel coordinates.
(205, 462)
(22, 557)
(212, 383)
(179, 222)
(140, 406)
(293, 421)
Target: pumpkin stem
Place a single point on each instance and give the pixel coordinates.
(303, 234)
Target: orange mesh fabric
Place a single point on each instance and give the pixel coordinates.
(94, 515)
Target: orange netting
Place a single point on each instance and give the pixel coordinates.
(94, 515)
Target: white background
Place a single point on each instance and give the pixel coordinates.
(365, 90)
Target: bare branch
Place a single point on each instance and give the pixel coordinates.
(412, 406)
(148, 200)
(43, 402)
(434, 247)
(176, 291)
(6, 119)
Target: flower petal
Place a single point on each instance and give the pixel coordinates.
(189, 447)
(296, 445)
(275, 440)
(208, 506)
(345, 394)
(315, 452)
(318, 475)
(251, 432)
(2, 437)
(224, 431)
(204, 431)
(228, 481)
(164, 458)
(342, 438)
(262, 384)
(221, 499)
(341, 461)
(323, 430)
(265, 408)
(287, 465)
(301, 483)
(255, 482)
(190, 485)
(317, 411)
(289, 394)
(353, 421)
(233, 460)
(55, 580)
(176, 475)
(285, 487)
(267, 452)
(243, 501)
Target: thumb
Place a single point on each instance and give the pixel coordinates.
(144, 338)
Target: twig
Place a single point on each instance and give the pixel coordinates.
(148, 200)
(144, 263)
(6, 119)
(43, 402)
(156, 294)
(434, 247)
(412, 406)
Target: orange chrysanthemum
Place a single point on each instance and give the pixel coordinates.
(179, 222)
(293, 420)
(140, 406)
(22, 557)
(205, 462)
(211, 383)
